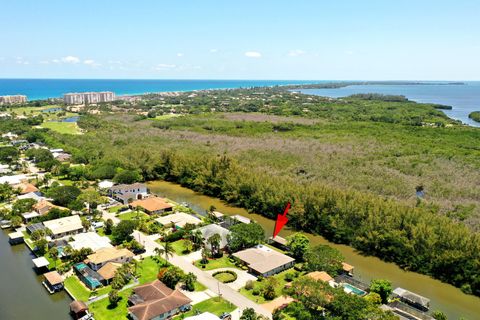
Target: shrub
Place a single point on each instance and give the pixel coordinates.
(249, 285)
(232, 273)
(256, 292)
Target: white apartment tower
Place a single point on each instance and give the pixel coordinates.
(88, 97)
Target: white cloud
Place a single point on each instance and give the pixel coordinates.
(164, 66)
(179, 54)
(44, 62)
(20, 60)
(213, 50)
(296, 53)
(56, 61)
(70, 59)
(253, 54)
(90, 62)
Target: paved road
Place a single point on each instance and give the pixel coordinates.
(108, 215)
(210, 282)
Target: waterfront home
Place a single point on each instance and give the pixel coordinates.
(37, 196)
(413, 299)
(321, 276)
(78, 310)
(108, 271)
(13, 179)
(126, 193)
(44, 206)
(64, 226)
(88, 276)
(29, 216)
(156, 301)
(278, 242)
(53, 281)
(264, 261)
(15, 238)
(347, 269)
(210, 230)
(102, 256)
(34, 227)
(90, 240)
(178, 219)
(404, 312)
(152, 205)
(40, 263)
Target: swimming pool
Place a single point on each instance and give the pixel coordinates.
(351, 289)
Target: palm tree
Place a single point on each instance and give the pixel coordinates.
(166, 249)
(197, 239)
(214, 242)
(54, 255)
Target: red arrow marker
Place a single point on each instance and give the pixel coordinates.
(281, 221)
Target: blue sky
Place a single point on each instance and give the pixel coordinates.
(262, 39)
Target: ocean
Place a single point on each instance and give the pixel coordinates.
(463, 98)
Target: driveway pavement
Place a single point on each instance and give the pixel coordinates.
(242, 277)
(199, 296)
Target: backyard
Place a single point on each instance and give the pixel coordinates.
(216, 305)
(255, 294)
(133, 215)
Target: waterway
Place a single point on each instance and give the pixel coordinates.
(23, 295)
(443, 296)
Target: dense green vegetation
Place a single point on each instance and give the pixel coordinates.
(475, 115)
(350, 167)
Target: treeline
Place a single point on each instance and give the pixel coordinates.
(413, 237)
(379, 97)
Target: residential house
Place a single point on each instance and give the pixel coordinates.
(264, 261)
(90, 240)
(102, 256)
(278, 242)
(108, 271)
(126, 193)
(156, 301)
(347, 269)
(152, 205)
(413, 299)
(210, 230)
(26, 187)
(178, 219)
(53, 281)
(44, 206)
(79, 310)
(89, 277)
(64, 226)
(322, 276)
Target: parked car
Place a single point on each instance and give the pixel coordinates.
(226, 316)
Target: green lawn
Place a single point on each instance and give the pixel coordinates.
(132, 215)
(114, 209)
(179, 247)
(103, 311)
(259, 285)
(80, 291)
(216, 305)
(148, 270)
(199, 286)
(222, 262)
(62, 127)
(224, 277)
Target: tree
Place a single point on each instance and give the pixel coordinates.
(41, 246)
(439, 315)
(118, 281)
(188, 245)
(123, 231)
(382, 287)
(53, 253)
(86, 224)
(166, 249)
(245, 235)
(6, 192)
(113, 297)
(205, 255)
(63, 195)
(127, 177)
(323, 258)
(197, 239)
(248, 314)
(108, 226)
(374, 298)
(190, 279)
(23, 205)
(214, 242)
(297, 245)
(172, 276)
(92, 198)
(8, 154)
(16, 221)
(269, 290)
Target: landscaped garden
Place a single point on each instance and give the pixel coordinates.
(133, 215)
(225, 276)
(223, 262)
(267, 289)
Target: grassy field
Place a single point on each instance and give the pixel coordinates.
(62, 127)
(179, 247)
(149, 270)
(80, 291)
(216, 305)
(114, 209)
(222, 262)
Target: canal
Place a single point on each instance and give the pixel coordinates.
(22, 293)
(452, 301)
